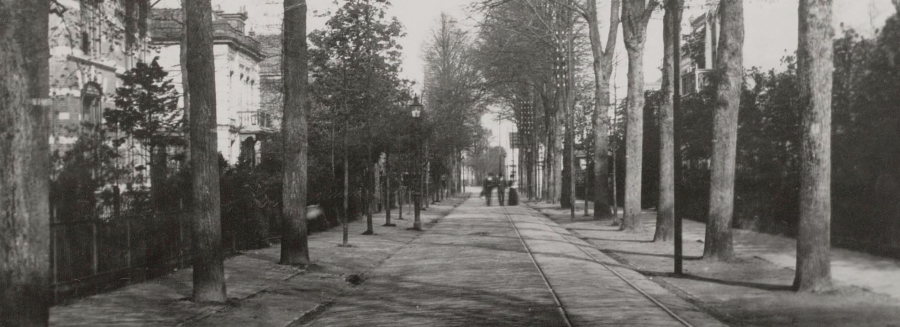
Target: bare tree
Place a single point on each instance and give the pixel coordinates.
(665, 214)
(635, 16)
(294, 247)
(729, 71)
(814, 71)
(209, 272)
(24, 163)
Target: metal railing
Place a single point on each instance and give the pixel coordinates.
(254, 120)
(95, 253)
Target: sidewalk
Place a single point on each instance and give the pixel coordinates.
(754, 289)
(260, 292)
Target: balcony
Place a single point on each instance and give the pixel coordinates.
(695, 80)
(250, 122)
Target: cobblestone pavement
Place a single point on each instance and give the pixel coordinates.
(472, 269)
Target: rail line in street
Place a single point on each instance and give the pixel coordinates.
(549, 285)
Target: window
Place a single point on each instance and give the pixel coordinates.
(85, 42)
(90, 104)
(130, 23)
(90, 26)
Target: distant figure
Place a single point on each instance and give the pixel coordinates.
(501, 189)
(487, 187)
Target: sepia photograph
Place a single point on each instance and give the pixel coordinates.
(510, 163)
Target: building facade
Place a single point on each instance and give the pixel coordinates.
(237, 61)
(92, 43)
(698, 55)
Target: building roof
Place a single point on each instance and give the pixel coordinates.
(166, 28)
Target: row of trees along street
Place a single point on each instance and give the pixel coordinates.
(751, 149)
(348, 144)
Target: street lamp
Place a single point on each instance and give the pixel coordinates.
(415, 109)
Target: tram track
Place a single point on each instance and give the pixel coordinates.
(556, 298)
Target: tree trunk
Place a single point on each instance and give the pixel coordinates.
(729, 69)
(24, 164)
(387, 190)
(635, 15)
(376, 187)
(294, 243)
(208, 272)
(185, 90)
(345, 216)
(558, 152)
(665, 214)
(156, 249)
(427, 177)
(814, 63)
(565, 198)
(547, 187)
(158, 176)
(615, 180)
(400, 198)
(570, 110)
(368, 193)
(602, 66)
(634, 138)
(565, 190)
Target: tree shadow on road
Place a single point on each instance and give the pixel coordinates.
(670, 256)
(760, 286)
(615, 240)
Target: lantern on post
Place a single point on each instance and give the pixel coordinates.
(415, 110)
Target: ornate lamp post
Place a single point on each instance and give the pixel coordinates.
(415, 109)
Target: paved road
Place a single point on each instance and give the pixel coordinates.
(474, 269)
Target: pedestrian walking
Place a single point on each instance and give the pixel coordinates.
(501, 190)
(487, 187)
(513, 192)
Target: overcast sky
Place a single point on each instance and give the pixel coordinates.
(770, 29)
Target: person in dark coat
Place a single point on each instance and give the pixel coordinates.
(487, 187)
(513, 192)
(501, 190)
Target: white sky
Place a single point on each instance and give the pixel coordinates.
(770, 30)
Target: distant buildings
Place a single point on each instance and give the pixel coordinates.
(237, 59)
(699, 53)
(91, 43)
(271, 94)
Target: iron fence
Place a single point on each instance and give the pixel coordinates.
(95, 253)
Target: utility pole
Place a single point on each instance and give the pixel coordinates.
(676, 107)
